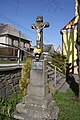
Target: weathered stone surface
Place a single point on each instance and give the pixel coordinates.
(38, 101)
(38, 104)
(1, 85)
(7, 77)
(2, 92)
(18, 74)
(40, 91)
(16, 80)
(35, 108)
(8, 88)
(9, 92)
(9, 81)
(37, 76)
(16, 87)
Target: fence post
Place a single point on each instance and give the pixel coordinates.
(19, 47)
(18, 56)
(55, 77)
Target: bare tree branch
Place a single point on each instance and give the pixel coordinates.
(50, 4)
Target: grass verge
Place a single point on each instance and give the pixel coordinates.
(9, 61)
(69, 108)
(8, 105)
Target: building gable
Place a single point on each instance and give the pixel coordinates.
(9, 29)
(70, 24)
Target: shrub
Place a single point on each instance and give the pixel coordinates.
(23, 83)
(59, 60)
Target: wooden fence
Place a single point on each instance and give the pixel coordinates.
(7, 50)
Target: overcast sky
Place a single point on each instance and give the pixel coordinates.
(23, 13)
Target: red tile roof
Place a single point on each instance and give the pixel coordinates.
(64, 28)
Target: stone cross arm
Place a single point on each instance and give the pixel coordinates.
(41, 26)
(46, 24)
(38, 27)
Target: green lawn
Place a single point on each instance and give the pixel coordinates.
(8, 105)
(9, 61)
(69, 109)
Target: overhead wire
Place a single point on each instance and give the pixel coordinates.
(14, 22)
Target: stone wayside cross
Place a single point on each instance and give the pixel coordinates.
(38, 103)
(39, 26)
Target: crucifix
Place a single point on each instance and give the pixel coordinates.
(39, 26)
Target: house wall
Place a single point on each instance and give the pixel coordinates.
(69, 40)
(15, 43)
(2, 40)
(11, 36)
(27, 45)
(8, 40)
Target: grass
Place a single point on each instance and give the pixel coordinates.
(7, 106)
(69, 109)
(9, 61)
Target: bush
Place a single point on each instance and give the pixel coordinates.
(23, 83)
(59, 60)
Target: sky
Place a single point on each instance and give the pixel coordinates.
(23, 13)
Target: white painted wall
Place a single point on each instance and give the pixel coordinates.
(2, 40)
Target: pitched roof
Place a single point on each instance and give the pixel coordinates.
(47, 48)
(11, 30)
(58, 49)
(73, 22)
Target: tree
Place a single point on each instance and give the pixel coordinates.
(51, 5)
(78, 41)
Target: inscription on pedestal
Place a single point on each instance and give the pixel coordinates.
(37, 65)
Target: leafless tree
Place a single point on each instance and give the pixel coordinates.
(51, 5)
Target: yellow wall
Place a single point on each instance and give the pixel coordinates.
(69, 40)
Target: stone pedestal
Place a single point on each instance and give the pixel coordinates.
(38, 104)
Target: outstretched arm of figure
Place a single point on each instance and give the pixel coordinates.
(45, 25)
(33, 26)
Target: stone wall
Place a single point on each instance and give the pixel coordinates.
(9, 80)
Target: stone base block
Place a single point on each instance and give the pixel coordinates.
(38, 77)
(34, 108)
(39, 91)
